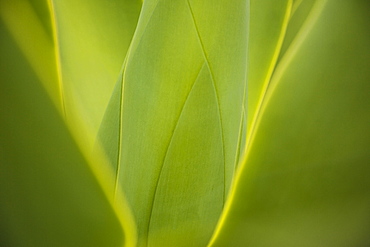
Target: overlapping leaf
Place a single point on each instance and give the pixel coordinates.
(268, 23)
(50, 194)
(92, 38)
(179, 120)
(180, 125)
(269, 20)
(304, 181)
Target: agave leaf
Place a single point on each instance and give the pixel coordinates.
(304, 180)
(50, 194)
(108, 136)
(181, 99)
(91, 38)
(299, 13)
(30, 26)
(269, 20)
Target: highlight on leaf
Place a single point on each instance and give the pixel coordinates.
(184, 123)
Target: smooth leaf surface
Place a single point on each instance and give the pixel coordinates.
(299, 13)
(268, 24)
(108, 137)
(50, 194)
(91, 38)
(269, 20)
(180, 125)
(304, 181)
(30, 26)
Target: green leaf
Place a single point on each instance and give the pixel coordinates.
(180, 122)
(108, 137)
(304, 180)
(91, 38)
(50, 194)
(30, 26)
(299, 13)
(268, 23)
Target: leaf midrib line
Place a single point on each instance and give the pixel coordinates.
(118, 169)
(216, 95)
(130, 49)
(238, 155)
(269, 73)
(279, 71)
(283, 65)
(167, 148)
(128, 54)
